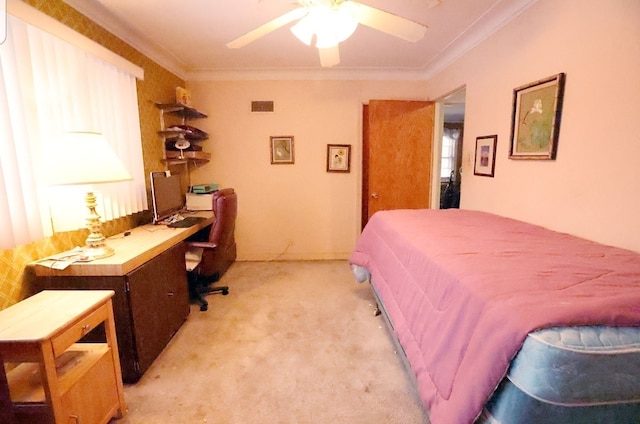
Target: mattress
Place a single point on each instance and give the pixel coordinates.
(578, 375)
(571, 375)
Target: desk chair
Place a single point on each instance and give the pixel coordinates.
(208, 259)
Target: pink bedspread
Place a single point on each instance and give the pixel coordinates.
(463, 288)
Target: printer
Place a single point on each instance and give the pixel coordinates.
(200, 197)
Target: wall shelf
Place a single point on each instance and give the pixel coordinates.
(187, 156)
(191, 134)
(181, 110)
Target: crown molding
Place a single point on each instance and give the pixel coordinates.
(306, 74)
(493, 19)
(503, 12)
(99, 14)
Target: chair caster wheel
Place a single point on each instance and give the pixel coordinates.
(225, 292)
(204, 308)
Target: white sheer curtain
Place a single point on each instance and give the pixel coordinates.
(23, 217)
(49, 87)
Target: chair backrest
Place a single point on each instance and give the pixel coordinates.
(215, 262)
(225, 209)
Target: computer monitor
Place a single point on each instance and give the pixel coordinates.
(166, 195)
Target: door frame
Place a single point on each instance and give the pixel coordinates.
(438, 131)
(436, 159)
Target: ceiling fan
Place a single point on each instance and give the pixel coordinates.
(329, 22)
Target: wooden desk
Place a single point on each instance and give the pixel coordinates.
(55, 379)
(147, 274)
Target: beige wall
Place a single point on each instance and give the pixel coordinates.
(593, 188)
(294, 211)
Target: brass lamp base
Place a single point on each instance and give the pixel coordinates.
(97, 252)
(96, 247)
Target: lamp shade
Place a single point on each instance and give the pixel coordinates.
(82, 158)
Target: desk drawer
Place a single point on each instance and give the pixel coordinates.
(80, 329)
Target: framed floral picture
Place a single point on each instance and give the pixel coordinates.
(485, 163)
(282, 150)
(535, 123)
(338, 157)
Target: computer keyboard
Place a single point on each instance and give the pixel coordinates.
(186, 222)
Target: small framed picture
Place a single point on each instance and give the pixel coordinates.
(485, 162)
(535, 122)
(338, 157)
(183, 96)
(282, 150)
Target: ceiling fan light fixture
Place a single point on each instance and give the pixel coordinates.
(345, 20)
(330, 24)
(326, 40)
(303, 30)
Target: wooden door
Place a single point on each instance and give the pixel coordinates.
(397, 148)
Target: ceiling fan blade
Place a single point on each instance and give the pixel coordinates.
(330, 56)
(267, 28)
(390, 23)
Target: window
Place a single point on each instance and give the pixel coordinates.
(47, 87)
(450, 139)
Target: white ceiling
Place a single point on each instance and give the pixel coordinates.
(189, 37)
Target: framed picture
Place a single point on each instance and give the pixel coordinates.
(485, 163)
(535, 123)
(338, 157)
(282, 150)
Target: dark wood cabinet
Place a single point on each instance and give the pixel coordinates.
(150, 304)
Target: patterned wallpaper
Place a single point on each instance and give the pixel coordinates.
(158, 86)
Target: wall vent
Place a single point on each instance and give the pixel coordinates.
(262, 106)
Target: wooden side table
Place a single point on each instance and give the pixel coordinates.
(48, 375)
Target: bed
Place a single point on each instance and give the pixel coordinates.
(502, 321)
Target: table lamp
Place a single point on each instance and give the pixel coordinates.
(82, 158)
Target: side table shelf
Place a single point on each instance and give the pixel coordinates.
(48, 376)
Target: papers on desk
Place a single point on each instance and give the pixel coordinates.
(64, 259)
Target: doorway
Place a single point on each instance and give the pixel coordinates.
(450, 147)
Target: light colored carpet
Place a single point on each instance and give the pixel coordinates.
(293, 342)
